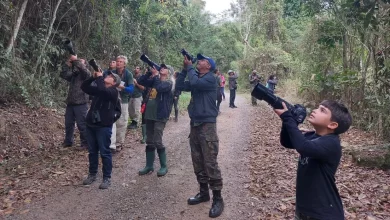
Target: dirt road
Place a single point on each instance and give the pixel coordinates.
(149, 197)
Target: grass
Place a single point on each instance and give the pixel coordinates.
(184, 100)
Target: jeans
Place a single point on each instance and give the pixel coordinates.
(75, 113)
(223, 92)
(99, 140)
(232, 97)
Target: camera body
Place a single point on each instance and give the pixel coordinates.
(152, 64)
(95, 116)
(189, 56)
(261, 92)
(68, 45)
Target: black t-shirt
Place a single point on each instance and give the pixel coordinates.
(316, 192)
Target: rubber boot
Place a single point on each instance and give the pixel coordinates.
(150, 155)
(217, 206)
(163, 162)
(143, 134)
(202, 196)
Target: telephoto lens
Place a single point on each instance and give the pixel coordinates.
(94, 65)
(261, 92)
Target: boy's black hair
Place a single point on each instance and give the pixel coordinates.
(340, 114)
(215, 70)
(271, 77)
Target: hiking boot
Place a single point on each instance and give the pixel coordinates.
(90, 179)
(143, 134)
(202, 196)
(150, 155)
(163, 162)
(133, 125)
(105, 184)
(217, 206)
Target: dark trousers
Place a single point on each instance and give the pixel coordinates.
(204, 144)
(176, 106)
(219, 100)
(99, 141)
(232, 97)
(223, 92)
(75, 113)
(154, 134)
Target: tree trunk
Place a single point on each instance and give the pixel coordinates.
(345, 48)
(51, 25)
(16, 28)
(48, 35)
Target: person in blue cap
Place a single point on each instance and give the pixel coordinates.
(204, 141)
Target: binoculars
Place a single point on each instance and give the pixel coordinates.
(189, 56)
(261, 92)
(150, 63)
(68, 45)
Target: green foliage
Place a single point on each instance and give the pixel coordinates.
(102, 30)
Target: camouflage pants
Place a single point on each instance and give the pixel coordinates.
(204, 151)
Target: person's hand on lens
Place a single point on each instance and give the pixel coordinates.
(154, 71)
(281, 111)
(97, 74)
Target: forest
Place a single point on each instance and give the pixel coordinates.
(319, 49)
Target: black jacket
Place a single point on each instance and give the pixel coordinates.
(105, 102)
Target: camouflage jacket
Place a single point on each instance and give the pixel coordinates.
(75, 75)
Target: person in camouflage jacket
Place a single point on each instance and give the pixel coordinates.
(75, 72)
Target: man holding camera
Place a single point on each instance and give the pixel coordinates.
(136, 100)
(75, 72)
(254, 79)
(105, 110)
(126, 88)
(204, 140)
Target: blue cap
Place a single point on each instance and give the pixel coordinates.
(211, 61)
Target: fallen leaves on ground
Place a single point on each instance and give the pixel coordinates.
(32, 162)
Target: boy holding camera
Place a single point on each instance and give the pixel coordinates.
(317, 196)
(105, 110)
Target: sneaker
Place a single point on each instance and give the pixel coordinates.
(105, 184)
(90, 179)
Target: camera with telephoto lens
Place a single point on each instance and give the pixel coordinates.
(94, 65)
(152, 64)
(261, 92)
(68, 45)
(95, 117)
(189, 56)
